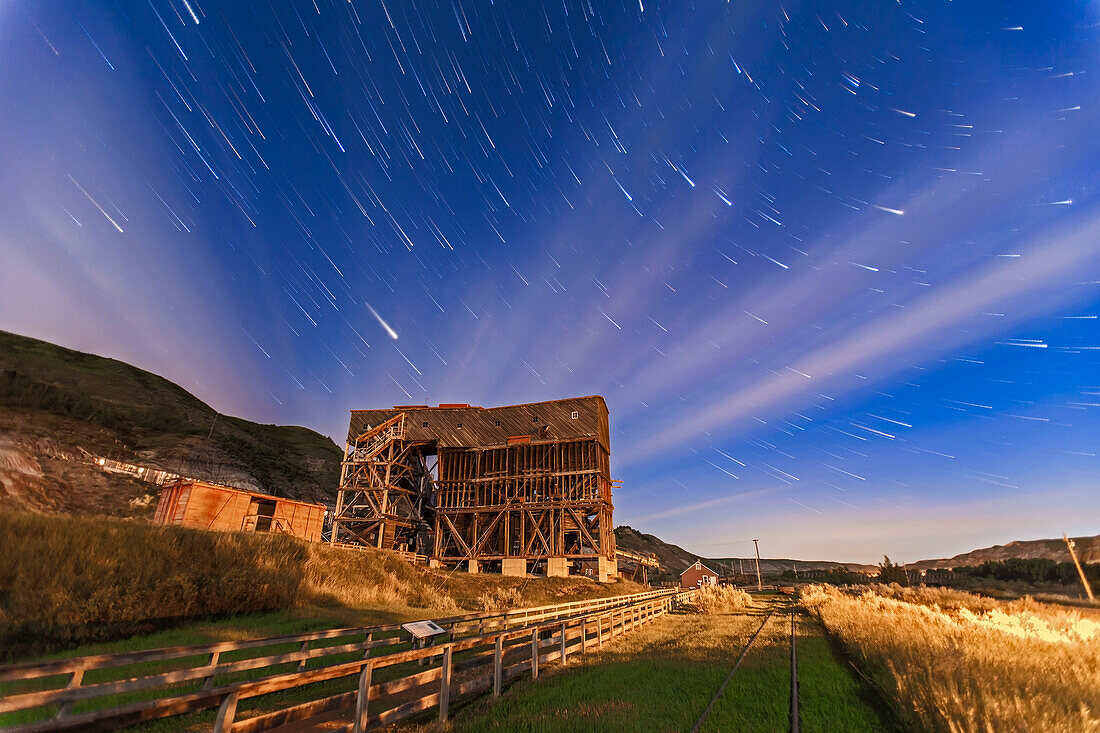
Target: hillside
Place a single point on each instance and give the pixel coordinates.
(55, 401)
(1088, 550)
(675, 558)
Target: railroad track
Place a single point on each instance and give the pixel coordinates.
(794, 715)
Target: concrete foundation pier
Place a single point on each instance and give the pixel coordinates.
(608, 569)
(516, 566)
(473, 567)
(434, 563)
(557, 567)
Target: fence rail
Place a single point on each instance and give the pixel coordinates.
(187, 679)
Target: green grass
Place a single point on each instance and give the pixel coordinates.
(260, 625)
(831, 696)
(662, 676)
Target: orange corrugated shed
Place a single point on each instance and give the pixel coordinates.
(209, 506)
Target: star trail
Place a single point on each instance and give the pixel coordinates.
(834, 266)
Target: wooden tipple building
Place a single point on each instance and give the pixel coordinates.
(515, 488)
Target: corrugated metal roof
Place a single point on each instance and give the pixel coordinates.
(470, 427)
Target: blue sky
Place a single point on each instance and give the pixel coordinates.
(833, 266)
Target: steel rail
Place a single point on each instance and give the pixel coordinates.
(721, 688)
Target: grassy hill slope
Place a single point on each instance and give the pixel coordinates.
(54, 401)
(66, 580)
(1088, 550)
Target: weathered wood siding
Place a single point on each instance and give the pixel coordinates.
(206, 506)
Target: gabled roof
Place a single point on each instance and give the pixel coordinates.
(701, 565)
(466, 426)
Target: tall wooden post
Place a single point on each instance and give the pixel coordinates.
(535, 654)
(445, 685)
(498, 664)
(759, 584)
(227, 711)
(1084, 580)
(362, 697)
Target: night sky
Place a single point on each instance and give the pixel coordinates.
(835, 267)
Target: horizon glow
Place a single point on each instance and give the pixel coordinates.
(833, 267)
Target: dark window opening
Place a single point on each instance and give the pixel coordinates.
(535, 418)
(459, 425)
(264, 510)
(425, 424)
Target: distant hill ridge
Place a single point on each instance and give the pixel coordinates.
(1087, 548)
(55, 401)
(675, 558)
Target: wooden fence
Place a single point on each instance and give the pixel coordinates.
(478, 653)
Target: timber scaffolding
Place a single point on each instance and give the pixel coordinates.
(509, 489)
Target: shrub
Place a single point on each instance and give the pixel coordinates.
(499, 599)
(720, 599)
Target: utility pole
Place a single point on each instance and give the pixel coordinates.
(759, 583)
(1084, 580)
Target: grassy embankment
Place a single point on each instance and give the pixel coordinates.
(954, 661)
(55, 400)
(661, 677)
(66, 581)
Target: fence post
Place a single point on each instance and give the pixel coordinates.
(362, 698)
(584, 634)
(208, 683)
(445, 685)
(563, 642)
(535, 654)
(227, 711)
(498, 664)
(303, 648)
(599, 632)
(74, 681)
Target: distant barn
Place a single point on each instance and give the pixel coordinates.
(697, 575)
(208, 506)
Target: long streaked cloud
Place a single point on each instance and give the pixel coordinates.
(927, 328)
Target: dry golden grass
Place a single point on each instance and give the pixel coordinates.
(499, 599)
(958, 662)
(721, 599)
(74, 580)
